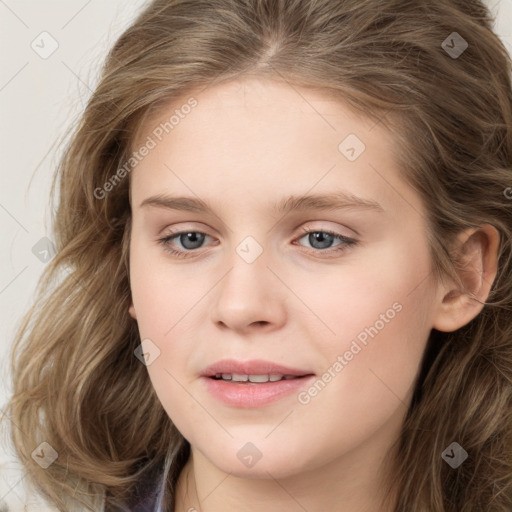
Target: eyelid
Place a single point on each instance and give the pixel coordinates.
(346, 241)
(302, 227)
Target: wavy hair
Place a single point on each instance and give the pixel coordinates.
(76, 382)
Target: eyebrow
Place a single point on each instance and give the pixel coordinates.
(325, 202)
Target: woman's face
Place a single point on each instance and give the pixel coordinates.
(250, 283)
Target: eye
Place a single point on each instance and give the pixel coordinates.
(320, 239)
(190, 240)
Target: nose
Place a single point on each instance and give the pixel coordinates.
(250, 297)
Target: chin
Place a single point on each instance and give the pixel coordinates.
(246, 462)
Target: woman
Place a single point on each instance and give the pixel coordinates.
(264, 369)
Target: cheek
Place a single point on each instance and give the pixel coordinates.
(165, 298)
(376, 314)
(353, 295)
(162, 292)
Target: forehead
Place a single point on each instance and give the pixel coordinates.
(261, 95)
(262, 137)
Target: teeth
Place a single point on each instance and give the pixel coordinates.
(239, 378)
(235, 377)
(258, 378)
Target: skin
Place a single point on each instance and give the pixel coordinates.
(247, 144)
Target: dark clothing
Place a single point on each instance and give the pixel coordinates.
(145, 497)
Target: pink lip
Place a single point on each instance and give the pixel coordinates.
(248, 394)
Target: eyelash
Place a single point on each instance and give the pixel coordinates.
(346, 242)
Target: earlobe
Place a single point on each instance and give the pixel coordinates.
(477, 261)
(131, 310)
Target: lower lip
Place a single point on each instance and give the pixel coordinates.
(249, 395)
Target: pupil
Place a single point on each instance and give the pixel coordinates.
(323, 238)
(192, 237)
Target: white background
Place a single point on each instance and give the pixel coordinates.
(39, 100)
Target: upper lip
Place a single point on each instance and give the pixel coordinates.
(253, 367)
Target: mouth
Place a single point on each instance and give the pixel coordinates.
(236, 378)
(256, 371)
(253, 384)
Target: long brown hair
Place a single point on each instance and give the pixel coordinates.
(76, 382)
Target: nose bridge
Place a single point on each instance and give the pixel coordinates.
(248, 276)
(249, 292)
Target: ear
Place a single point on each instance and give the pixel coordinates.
(477, 264)
(131, 310)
